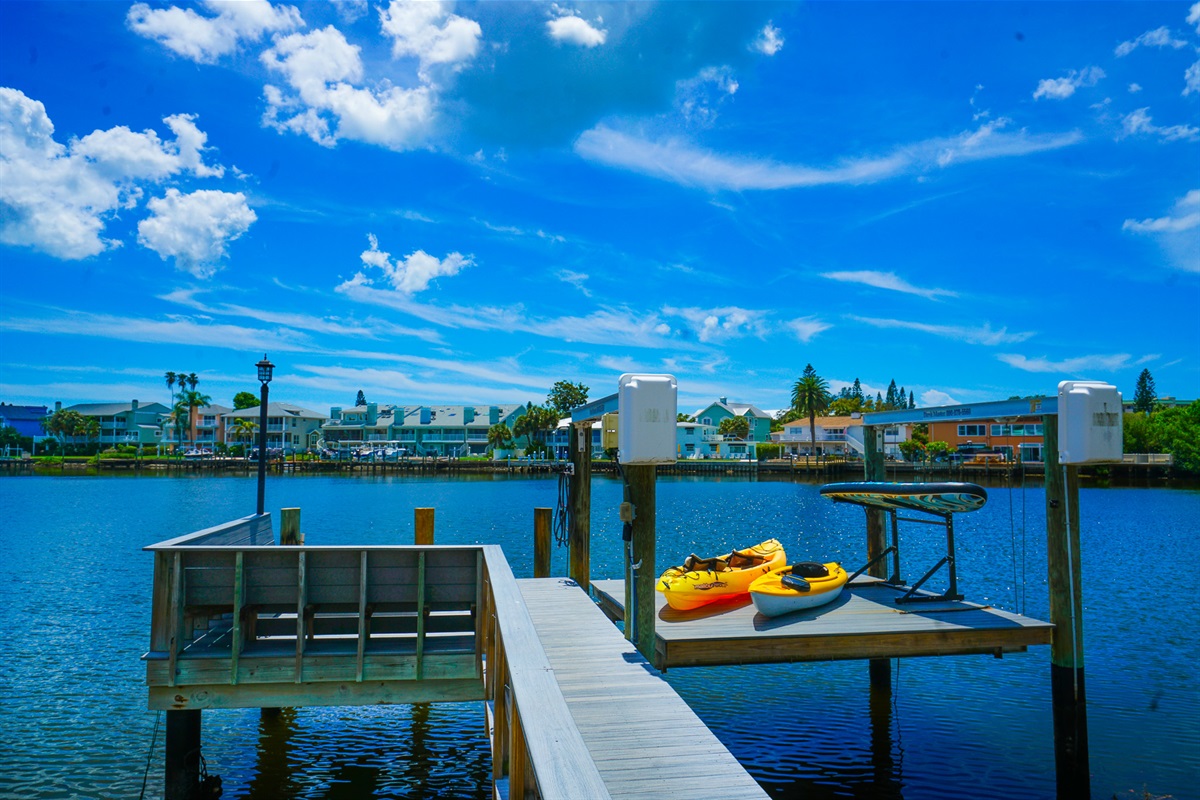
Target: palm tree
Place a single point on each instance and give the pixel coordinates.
(171, 376)
(243, 429)
(193, 400)
(499, 437)
(810, 396)
(192, 380)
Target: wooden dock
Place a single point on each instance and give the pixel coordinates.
(864, 623)
(644, 739)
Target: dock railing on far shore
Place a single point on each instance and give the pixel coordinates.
(239, 621)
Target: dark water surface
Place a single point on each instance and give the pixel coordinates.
(75, 609)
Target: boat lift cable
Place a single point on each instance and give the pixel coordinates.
(561, 509)
(150, 755)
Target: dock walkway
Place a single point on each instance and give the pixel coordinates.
(864, 622)
(645, 740)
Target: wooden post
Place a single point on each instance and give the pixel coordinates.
(580, 565)
(541, 543)
(423, 520)
(641, 479)
(874, 469)
(1066, 612)
(182, 754)
(289, 527)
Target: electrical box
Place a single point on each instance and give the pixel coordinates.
(648, 405)
(1090, 423)
(609, 424)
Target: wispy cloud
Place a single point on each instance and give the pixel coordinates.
(769, 40)
(679, 161)
(1139, 121)
(576, 279)
(1178, 233)
(1159, 37)
(984, 335)
(721, 324)
(806, 328)
(1062, 88)
(887, 280)
(1068, 366)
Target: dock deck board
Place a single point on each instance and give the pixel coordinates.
(621, 704)
(865, 622)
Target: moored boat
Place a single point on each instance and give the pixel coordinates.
(797, 587)
(699, 581)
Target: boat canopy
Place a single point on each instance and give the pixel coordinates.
(932, 498)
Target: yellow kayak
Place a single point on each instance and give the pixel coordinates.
(706, 580)
(798, 586)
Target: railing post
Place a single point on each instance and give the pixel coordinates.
(579, 568)
(289, 527)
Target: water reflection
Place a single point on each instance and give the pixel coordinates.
(273, 774)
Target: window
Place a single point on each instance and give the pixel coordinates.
(972, 430)
(690, 432)
(706, 421)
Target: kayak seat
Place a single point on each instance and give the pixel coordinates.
(739, 561)
(809, 569)
(695, 563)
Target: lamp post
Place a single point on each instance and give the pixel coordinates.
(265, 368)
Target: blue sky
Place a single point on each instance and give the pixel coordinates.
(441, 203)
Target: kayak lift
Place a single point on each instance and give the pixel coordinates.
(940, 500)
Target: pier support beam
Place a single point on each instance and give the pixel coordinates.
(1066, 612)
(182, 754)
(422, 526)
(880, 668)
(643, 573)
(580, 565)
(541, 542)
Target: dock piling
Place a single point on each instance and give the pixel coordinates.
(423, 524)
(182, 771)
(580, 488)
(541, 542)
(643, 574)
(880, 669)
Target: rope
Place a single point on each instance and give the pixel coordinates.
(150, 755)
(561, 512)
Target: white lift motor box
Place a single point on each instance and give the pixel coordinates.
(648, 406)
(1090, 423)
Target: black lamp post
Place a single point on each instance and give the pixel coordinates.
(264, 375)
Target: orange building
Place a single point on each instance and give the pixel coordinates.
(1015, 439)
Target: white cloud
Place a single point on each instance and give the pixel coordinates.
(576, 279)
(769, 40)
(1159, 37)
(412, 273)
(205, 39)
(983, 335)
(1139, 121)
(569, 28)
(721, 324)
(58, 198)
(1134, 88)
(1178, 233)
(195, 228)
(1062, 88)
(678, 161)
(430, 33)
(1191, 79)
(936, 397)
(887, 280)
(697, 98)
(1070, 366)
(805, 328)
(1193, 16)
(321, 68)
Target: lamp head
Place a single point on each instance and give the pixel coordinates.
(264, 369)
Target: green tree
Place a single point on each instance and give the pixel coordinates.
(565, 396)
(499, 437)
(171, 377)
(937, 449)
(1138, 434)
(1144, 395)
(738, 427)
(810, 397)
(682, 417)
(245, 400)
(243, 429)
(360, 400)
(9, 437)
(912, 401)
(193, 400)
(857, 391)
(1177, 431)
(889, 402)
(534, 423)
(90, 428)
(845, 406)
(912, 450)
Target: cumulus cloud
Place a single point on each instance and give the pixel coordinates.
(1062, 88)
(1191, 78)
(1159, 37)
(1139, 121)
(429, 32)
(410, 274)
(721, 324)
(205, 39)
(195, 228)
(567, 27)
(679, 161)
(887, 280)
(58, 198)
(935, 397)
(1178, 233)
(769, 40)
(1193, 16)
(321, 69)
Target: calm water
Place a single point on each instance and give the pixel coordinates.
(75, 608)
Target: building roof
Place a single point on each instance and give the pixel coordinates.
(111, 409)
(276, 410)
(736, 409)
(826, 422)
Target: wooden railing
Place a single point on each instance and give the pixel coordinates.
(238, 621)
